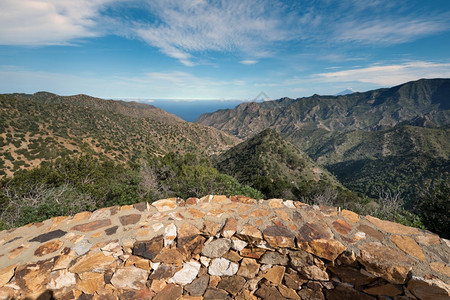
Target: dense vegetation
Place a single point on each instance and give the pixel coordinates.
(68, 186)
(272, 165)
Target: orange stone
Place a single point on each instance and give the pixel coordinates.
(385, 262)
(97, 234)
(252, 252)
(6, 274)
(81, 216)
(63, 260)
(138, 262)
(392, 227)
(230, 206)
(196, 213)
(408, 245)
(47, 248)
(91, 261)
(250, 233)
(230, 228)
(438, 267)
(342, 227)
(220, 199)
(210, 228)
(56, 221)
(187, 231)
(288, 292)
(386, 289)
(275, 274)
(90, 282)
(282, 214)
(328, 249)
(275, 203)
(259, 213)
(259, 222)
(349, 215)
(216, 212)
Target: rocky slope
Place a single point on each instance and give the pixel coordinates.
(43, 126)
(425, 101)
(405, 128)
(222, 248)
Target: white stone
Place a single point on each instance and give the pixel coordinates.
(289, 203)
(165, 204)
(82, 247)
(265, 267)
(238, 245)
(175, 216)
(447, 242)
(101, 214)
(187, 274)
(170, 234)
(65, 279)
(129, 277)
(113, 249)
(360, 235)
(205, 260)
(222, 267)
(157, 226)
(154, 265)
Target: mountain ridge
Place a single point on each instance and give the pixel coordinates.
(44, 126)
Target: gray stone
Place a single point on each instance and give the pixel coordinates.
(215, 294)
(198, 287)
(82, 247)
(274, 258)
(216, 248)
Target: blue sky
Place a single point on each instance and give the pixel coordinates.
(198, 49)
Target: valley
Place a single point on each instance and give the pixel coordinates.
(358, 151)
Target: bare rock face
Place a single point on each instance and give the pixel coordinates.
(218, 247)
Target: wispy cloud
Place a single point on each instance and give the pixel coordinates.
(388, 75)
(184, 28)
(49, 22)
(249, 62)
(390, 31)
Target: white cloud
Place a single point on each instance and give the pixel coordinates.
(388, 75)
(48, 22)
(248, 62)
(188, 27)
(389, 31)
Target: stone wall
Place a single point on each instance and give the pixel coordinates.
(222, 248)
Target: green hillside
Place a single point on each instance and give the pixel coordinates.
(43, 127)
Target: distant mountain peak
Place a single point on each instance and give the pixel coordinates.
(346, 92)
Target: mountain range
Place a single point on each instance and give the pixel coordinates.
(355, 151)
(362, 137)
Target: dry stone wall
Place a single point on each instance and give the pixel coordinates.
(222, 248)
